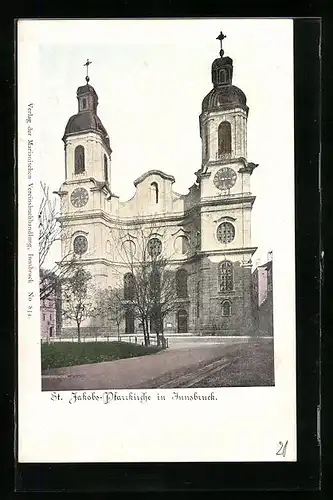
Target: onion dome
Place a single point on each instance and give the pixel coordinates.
(87, 120)
(224, 95)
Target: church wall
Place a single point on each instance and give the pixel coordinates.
(211, 319)
(143, 202)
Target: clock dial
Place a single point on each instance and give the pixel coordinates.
(79, 197)
(80, 245)
(225, 178)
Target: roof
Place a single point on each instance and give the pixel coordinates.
(86, 121)
(224, 97)
(84, 89)
(154, 172)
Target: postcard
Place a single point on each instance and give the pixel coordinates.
(156, 266)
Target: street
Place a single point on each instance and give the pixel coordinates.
(198, 365)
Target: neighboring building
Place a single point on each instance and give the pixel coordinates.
(50, 306)
(206, 233)
(262, 279)
(48, 314)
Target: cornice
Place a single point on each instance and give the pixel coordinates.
(228, 200)
(228, 251)
(177, 262)
(179, 217)
(154, 172)
(88, 131)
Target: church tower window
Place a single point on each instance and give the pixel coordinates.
(223, 76)
(226, 276)
(79, 160)
(154, 192)
(106, 175)
(181, 283)
(226, 308)
(84, 103)
(206, 151)
(224, 139)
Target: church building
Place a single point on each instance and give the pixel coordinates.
(205, 234)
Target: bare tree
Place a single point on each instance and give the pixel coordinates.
(149, 284)
(164, 298)
(50, 231)
(49, 228)
(111, 307)
(78, 297)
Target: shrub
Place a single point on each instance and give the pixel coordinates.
(61, 354)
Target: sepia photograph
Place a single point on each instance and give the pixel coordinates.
(158, 210)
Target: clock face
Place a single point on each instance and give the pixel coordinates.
(79, 197)
(225, 178)
(80, 245)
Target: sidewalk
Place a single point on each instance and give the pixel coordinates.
(132, 372)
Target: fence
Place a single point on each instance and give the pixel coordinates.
(132, 339)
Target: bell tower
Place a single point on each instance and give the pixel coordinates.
(85, 194)
(226, 201)
(87, 143)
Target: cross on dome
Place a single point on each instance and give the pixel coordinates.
(221, 37)
(87, 64)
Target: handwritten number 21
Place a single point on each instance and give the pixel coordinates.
(282, 448)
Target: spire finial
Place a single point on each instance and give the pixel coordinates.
(221, 37)
(87, 64)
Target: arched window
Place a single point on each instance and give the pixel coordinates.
(198, 300)
(226, 308)
(226, 276)
(181, 245)
(206, 143)
(154, 247)
(79, 160)
(106, 175)
(84, 103)
(223, 75)
(181, 283)
(224, 138)
(154, 192)
(198, 239)
(129, 322)
(129, 286)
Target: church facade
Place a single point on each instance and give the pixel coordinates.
(205, 234)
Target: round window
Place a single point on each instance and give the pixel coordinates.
(80, 245)
(225, 232)
(154, 247)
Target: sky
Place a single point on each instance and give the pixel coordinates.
(151, 77)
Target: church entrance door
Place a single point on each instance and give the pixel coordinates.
(182, 321)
